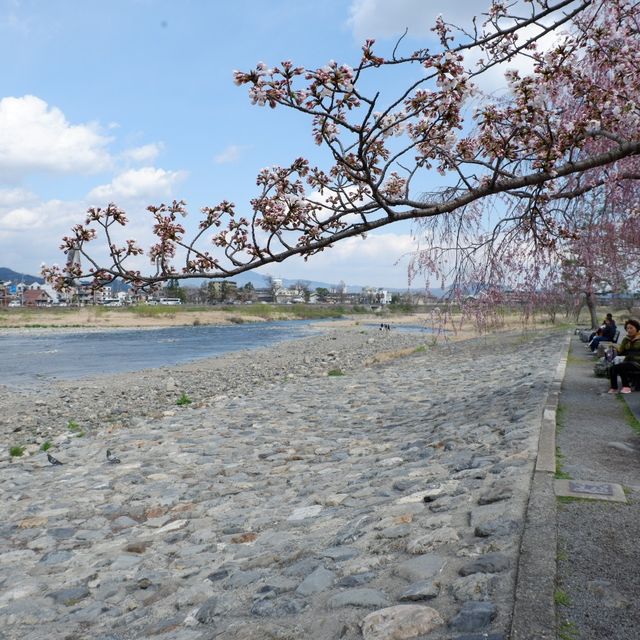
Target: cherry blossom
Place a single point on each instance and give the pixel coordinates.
(509, 169)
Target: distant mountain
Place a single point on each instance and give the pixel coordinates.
(257, 280)
(8, 274)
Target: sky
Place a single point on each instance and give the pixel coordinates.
(133, 102)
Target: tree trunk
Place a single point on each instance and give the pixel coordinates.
(591, 305)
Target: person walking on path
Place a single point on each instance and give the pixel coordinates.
(630, 349)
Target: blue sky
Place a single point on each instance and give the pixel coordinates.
(132, 101)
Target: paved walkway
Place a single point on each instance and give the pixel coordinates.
(598, 579)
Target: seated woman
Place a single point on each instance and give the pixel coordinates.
(607, 334)
(598, 332)
(630, 349)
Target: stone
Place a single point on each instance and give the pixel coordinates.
(474, 616)
(496, 493)
(432, 540)
(284, 606)
(176, 525)
(339, 554)
(352, 531)
(498, 527)
(489, 563)
(475, 586)
(400, 622)
(422, 590)
(207, 611)
(305, 512)
(56, 557)
(356, 579)
(358, 598)
(420, 567)
(319, 580)
(70, 596)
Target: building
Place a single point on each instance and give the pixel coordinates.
(36, 298)
(5, 296)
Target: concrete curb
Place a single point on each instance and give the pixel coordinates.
(534, 610)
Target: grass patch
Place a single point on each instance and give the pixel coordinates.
(45, 446)
(150, 311)
(184, 400)
(335, 372)
(75, 428)
(567, 631)
(16, 452)
(279, 311)
(421, 349)
(561, 416)
(560, 473)
(630, 418)
(561, 598)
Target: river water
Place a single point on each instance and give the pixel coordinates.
(27, 358)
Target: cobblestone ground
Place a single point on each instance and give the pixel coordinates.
(384, 503)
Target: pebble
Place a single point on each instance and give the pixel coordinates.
(282, 502)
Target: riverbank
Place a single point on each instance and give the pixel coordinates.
(96, 317)
(308, 490)
(31, 417)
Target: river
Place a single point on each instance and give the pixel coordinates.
(28, 358)
(31, 357)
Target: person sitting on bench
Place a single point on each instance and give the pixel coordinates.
(630, 349)
(606, 335)
(598, 332)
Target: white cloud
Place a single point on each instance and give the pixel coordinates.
(145, 153)
(35, 138)
(144, 183)
(16, 197)
(383, 19)
(380, 259)
(231, 154)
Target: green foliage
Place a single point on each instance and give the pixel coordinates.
(73, 426)
(560, 597)
(183, 400)
(152, 311)
(420, 349)
(561, 416)
(335, 372)
(560, 473)
(567, 631)
(400, 307)
(45, 446)
(16, 452)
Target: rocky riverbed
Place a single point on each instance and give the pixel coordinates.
(282, 502)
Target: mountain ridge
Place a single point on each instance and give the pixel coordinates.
(258, 280)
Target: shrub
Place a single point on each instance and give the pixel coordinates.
(183, 400)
